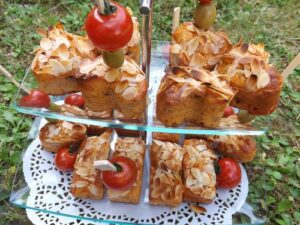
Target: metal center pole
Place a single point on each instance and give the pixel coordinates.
(146, 10)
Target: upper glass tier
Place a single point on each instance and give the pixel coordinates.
(150, 124)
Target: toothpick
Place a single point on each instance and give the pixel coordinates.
(101, 5)
(12, 79)
(290, 68)
(104, 165)
(176, 17)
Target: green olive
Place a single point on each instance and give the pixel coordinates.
(114, 59)
(244, 116)
(205, 15)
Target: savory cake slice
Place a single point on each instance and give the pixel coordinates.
(54, 136)
(133, 148)
(192, 95)
(199, 176)
(257, 82)
(57, 58)
(165, 174)
(86, 180)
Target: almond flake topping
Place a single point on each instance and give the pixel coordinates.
(130, 93)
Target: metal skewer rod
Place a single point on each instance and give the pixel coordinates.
(146, 9)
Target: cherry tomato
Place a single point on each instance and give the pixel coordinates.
(109, 32)
(75, 99)
(36, 99)
(65, 158)
(122, 179)
(228, 112)
(205, 1)
(228, 173)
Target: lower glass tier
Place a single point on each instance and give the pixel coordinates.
(150, 124)
(44, 192)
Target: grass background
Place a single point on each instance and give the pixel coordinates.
(276, 23)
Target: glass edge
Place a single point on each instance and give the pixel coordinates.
(148, 128)
(76, 217)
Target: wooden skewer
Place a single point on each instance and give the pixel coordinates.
(12, 79)
(176, 17)
(290, 68)
(101, 5)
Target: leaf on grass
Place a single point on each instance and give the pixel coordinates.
(4, 195)
(284, 205)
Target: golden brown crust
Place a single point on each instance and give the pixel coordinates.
(199, 176)
(241, 148)
(54, 136)
(86, 180)
(105, 88)
(258, 84)
(165, 174)
(192, 95)
(133, 148)
(166, 137)
(198, 48)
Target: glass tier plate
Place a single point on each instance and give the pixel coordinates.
(150, 124)
(44, 192)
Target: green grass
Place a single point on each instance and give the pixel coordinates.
(273, 22)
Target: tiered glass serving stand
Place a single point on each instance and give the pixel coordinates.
(44, 191)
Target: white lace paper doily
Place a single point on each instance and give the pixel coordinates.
(49, 192)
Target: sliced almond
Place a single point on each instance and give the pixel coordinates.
(251, 83)
(255, 67)
(213, 61)
(140, 77)
(263, 79)
(83, 172)
(61, 52)
(81, 184)
(46, 69)
(130, 93)
(129, 68)
(93, 189)
(214, 48)
(46, 44)
(87, 65)
(175, 49)
(197, 209)
(42, 32)
(67, 65)
(57, 67)
(120, 87)
(112, 75)
(99, 71)
(42, 58)
(197, 61)
(176, 78)
(193, 45)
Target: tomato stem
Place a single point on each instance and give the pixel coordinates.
(73, 148)
(108, 9)
(118, 167)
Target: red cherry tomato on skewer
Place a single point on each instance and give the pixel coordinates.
(65, 159)
(229, 173)
(205, 1)
(111, 31)
(228, 111)
(75, 99)
(35, 99)
(124, 178)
